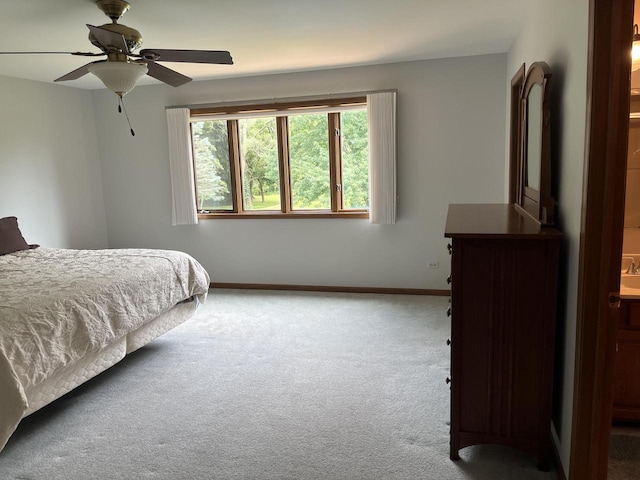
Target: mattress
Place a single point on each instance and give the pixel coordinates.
(160, 325)
(93, 364)
(73, 375)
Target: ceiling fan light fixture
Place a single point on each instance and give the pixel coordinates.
(119, 77)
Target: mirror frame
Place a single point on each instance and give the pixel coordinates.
(538, 204)
(515, 133)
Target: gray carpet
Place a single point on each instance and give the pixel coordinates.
(624, 457)
(269, 385)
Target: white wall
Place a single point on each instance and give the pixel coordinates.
(451, 135)
(556, 32)
(49, 164)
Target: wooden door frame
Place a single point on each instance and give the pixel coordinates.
(608, 89)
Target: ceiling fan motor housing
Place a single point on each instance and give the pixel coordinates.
(132, 37)
(114, 9)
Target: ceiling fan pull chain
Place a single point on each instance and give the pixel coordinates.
(122, 108)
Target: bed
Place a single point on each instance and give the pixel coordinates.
(68, 315)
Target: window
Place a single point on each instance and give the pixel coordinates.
(211, 163)
(289, 159)
(237, 178)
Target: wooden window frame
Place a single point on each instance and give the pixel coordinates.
(282, 122)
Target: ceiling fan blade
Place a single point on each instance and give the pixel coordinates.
(109, 39)
(82, 54)
(77, 73)
(188, 56)
(166, 75)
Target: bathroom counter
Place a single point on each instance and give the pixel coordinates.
(629, 283)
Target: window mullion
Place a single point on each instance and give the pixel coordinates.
(283, 164)
(335, 162)
(234, 161)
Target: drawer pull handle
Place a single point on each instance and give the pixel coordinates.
(449, 279)
(449, 312)
(448, 342)
(448, 380)
(450, 248)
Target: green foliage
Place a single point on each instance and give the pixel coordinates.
(309, 159)
(355, 159)
(211, 151)
(309, 162)
(259, 155)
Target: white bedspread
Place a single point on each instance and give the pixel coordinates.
(57, 305)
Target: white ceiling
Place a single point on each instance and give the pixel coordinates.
(263, 36)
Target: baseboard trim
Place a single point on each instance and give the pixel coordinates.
(327, 288)
(556, 456)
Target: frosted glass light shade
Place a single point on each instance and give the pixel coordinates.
(119, 77)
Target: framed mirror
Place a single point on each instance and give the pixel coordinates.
(533, 192)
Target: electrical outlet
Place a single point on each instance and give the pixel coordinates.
(433, 265)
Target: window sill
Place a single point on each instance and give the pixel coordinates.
(264, 215)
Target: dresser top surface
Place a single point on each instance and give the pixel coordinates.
(502, 220)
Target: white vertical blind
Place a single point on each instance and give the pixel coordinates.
(181, 162)
(381, 111)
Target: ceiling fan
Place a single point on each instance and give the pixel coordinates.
(122, 67)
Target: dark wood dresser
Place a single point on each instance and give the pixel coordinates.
(504, 276)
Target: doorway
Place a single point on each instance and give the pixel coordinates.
(608, 88)
(624, 446)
